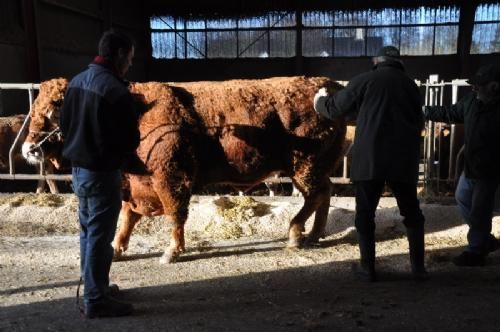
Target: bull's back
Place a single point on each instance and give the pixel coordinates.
(239, 131)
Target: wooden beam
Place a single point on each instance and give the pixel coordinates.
(298, 45)
(465, 28)
(77, 11)
(107, 14)
(31, 40)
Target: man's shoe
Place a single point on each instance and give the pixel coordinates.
(420, 275)
(108, 307)
(364, 273)
(113, 290)
(469, 258)
(493, 244)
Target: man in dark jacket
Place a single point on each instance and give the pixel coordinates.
(100, 130)
(386, 151)
(479, 111)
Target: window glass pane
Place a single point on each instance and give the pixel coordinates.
(350, 18)
(317, 42)
(317, 18)
(253, 22)
(446, 39)
(162, 22)
(195, 45)
(162, 44)
(195, 24)
(349, 42)
(179, 23)
(485, 38)
(378, 37)
(447, 15)
(488, 12)
(421, 15)
(282, 43)
(223, 23)
(387, 16)
(221, 44)
(416, 40)
(253, 44)
(180, 44)
(282, 19)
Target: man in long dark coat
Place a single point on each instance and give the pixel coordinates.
(386, 150)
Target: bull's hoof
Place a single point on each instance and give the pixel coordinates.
(117, 254)
(168, 258)
(295, 243)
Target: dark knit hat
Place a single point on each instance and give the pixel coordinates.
(389, 51)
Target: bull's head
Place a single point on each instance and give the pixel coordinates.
(44, 141)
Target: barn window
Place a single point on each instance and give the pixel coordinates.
(486, 33)
(269, 35)
(418, 31)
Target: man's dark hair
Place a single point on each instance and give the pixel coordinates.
(111, 41)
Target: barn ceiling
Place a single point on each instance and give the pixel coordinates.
(221, 8)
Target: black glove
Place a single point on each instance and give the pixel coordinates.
(320, 101)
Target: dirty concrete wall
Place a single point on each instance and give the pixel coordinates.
(13, 53)
(43, 39)
(69, 33)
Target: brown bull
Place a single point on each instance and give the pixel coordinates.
(235, 132)
(10, 127)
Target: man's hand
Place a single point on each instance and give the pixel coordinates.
(320, 101)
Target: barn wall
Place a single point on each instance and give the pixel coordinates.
(68, 34)
(64, 34)
(14, 57)
(43, 39)
(448, 67)
(460, 65)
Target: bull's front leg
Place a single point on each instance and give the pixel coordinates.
(177, 244)
(128, 219)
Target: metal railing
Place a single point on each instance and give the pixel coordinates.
(434, 95)
(30, 87)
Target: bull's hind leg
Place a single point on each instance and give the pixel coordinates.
(316, 199)
(128, 219)
(174, 195)
(177, 244)
(321, 216)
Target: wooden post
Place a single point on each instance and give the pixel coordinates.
(31, 38)
(465, 28)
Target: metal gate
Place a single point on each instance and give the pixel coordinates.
(435, 93)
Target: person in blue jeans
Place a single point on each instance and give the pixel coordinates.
(479, 111)
(100, 129)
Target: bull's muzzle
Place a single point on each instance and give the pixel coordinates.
(32, 153)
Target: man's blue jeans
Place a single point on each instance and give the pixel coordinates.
(99, 195)
(476, 201)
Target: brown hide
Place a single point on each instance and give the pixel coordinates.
(44, 119)
(9, 127)
(237, 132)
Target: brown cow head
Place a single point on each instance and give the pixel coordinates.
(44, 141)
